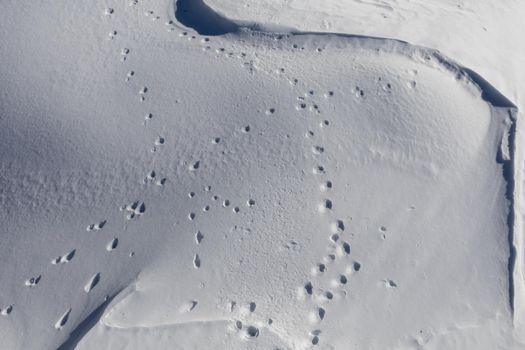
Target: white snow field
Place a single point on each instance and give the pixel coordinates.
(175, 179)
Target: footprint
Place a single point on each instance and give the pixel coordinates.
(334, 238)
(194, 166)
(325, 206)
(63, 319)
(112, 245)
(98, 226)
(150, 177)
(338, 226)
(326, 186)
(130, 75)
(324, 123)
(319, 268)
(308, 287)
(196, 261)
(321, 313)
(158, 142)
(65, 258)
(199, 237)
(250, 202)
(189, 306)
(33, 281)
(317, 150)
(251, 332)
(344, 249)
(390, 284)
(93, 281)
(319, 170)
(7, 310)
(134, 209)
(252, 306)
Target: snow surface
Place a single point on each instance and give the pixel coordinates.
(255, 187)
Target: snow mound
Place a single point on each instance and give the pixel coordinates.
(163, 188)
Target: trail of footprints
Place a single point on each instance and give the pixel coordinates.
(319, 292)
(332, 273)
(215, 198)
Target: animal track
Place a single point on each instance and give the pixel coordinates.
(189, 306)
(112, 245)
(129, 75)
(390, 284)
(134, 209)
(93, 281)
(159, 141)
(252, 306)
(251, 332)
(65, 258)
(63, 319)
(315, 336)
(194, 166)
(199, 237)
(98, 226)
(325, 206)
(33, 281)
(7, 310)
(317, 150)
(319, 170)
(196, 261)
(326, 186)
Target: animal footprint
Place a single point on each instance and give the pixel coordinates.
(63, 319)
(315, 336)
(7, 310)
(389, 283)
(33, 281)
(112, 245)
(194, 166)
(196, 261)
(189, 306)
(98, 226)
(135, 209)
(325, 206)
(65, 258)
(158, 142)
(251, 332)
(93, 281)
(199, 237)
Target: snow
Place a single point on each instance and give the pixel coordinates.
(247, 188)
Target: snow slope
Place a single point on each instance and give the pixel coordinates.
(165, 189)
